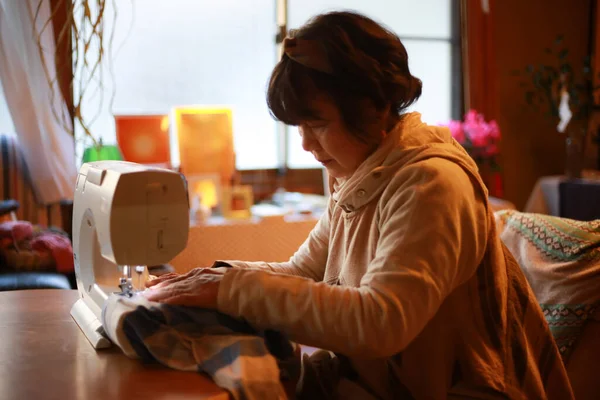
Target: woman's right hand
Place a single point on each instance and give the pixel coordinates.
(167, 279)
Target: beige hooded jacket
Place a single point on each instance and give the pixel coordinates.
(406, 277)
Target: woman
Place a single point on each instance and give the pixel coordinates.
(404, 278)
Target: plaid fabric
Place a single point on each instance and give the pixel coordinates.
(247, 363)
(561, 260)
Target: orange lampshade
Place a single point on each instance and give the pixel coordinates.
(144, 139)
(205, 140)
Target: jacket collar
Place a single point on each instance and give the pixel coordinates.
(410, 141)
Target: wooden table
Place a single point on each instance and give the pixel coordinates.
(44, 355)
(544, 198)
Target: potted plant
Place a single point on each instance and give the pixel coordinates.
(84, 30)
(564, 93)
(481, 140)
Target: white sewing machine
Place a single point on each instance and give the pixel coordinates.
(125, 217)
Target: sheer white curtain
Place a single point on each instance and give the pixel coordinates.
(47, 146)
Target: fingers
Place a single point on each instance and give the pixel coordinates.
(170, 282)
(161, 293)
(190, 300)
(202, 299)
(168, 279)
(199, 291)
(181, 297)
(160, 279)
(173, 277)
(156, 294)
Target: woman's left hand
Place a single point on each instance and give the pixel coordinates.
(196, 290)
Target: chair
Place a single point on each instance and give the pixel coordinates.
(561, 260)
(18, 202)
(579, 199)
(8, 209)
(24, 280)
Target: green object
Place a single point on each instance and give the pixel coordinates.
(101, 153)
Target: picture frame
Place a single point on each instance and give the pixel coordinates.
(202, 140)
(237, 201)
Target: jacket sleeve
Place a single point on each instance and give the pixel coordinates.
(433, 234)
(308, 262)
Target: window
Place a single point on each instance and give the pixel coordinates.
(425, 29)
(191, 52)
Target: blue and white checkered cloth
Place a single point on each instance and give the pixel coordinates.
(247, 363)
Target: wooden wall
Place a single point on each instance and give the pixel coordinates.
(519, 32)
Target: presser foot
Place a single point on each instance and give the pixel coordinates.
(126, 287)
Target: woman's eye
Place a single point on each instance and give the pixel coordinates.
(315, 128)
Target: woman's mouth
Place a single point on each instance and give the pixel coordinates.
(325, 162)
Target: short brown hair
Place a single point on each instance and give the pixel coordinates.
(367, 62)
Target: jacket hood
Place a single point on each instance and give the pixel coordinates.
(409, 142)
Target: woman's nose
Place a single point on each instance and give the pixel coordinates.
(308, 139)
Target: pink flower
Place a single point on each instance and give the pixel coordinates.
(494, 130)
(479, 137)
(491, 151)
(457, 132)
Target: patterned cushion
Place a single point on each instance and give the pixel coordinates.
(561, 259)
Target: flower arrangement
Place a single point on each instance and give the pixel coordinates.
(545, 83)
(566, 91)
(479, 138)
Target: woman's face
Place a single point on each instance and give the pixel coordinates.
(330, 142)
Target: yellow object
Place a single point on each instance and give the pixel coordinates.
(204, 140)
(237, 201)
(207, 191)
